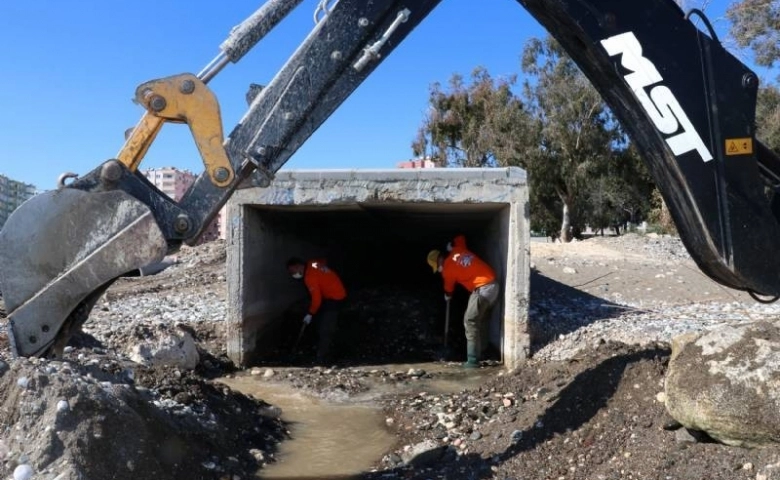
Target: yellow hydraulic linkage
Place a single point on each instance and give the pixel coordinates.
(186, 99)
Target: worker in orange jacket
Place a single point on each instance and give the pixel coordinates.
(327, 296)
(461, 266)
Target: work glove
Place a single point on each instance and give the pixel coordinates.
(447, 297)
(307, 319)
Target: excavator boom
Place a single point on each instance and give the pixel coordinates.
(689, 106)
(687, 103)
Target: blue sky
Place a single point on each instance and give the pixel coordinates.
(70, 70)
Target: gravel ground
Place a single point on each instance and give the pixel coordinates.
(633, 289)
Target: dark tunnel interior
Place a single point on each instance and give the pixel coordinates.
(395, 310)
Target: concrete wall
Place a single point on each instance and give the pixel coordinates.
(259, 290)
(493, 247)
(262, 234)
(517, 337)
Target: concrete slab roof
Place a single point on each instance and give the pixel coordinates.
(509, 175)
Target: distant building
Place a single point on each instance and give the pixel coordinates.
(174, 183)
(417, 163)
(171, 181)
(223, 222)
(12, 194)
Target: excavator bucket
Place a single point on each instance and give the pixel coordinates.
(58, 253)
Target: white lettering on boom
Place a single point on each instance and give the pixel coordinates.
(660, 104)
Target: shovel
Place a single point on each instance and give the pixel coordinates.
(446, 324)
(445, 351)
(300, 336)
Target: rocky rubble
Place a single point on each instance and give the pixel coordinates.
(591, 323)
(513, 416)
(104, 418)
(600, 417)
(342, 383)
(98, 414)
(390, 324)
(652, 246)
(189, 295)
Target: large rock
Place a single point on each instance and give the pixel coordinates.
(172, 347)
(726, 382)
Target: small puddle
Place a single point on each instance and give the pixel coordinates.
(342, 439)
(328, 439)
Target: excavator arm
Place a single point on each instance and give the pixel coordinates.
(684, 100)
(689, 106)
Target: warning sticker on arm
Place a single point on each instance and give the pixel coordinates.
(739, 146)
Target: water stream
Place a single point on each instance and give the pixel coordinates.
(341, 439)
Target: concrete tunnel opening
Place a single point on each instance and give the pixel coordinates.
(395, 311)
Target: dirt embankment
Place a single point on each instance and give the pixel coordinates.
(96, 415)
(597, 416)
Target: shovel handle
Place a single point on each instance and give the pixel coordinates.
(300, 335)
(446, 323)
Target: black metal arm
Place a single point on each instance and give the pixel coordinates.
(344, 49)
(689, 106)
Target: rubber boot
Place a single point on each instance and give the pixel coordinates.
(472, 360)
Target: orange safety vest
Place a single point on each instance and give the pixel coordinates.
(464, 267)
(323, 284)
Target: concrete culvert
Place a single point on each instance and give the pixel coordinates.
(375, 229)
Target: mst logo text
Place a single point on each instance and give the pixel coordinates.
(659, 102)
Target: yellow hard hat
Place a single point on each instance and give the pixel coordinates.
(433, 260)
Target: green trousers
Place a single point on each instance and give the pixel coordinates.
(475, 320)
(327, 320)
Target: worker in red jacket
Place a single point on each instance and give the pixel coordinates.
(327, 296)
(461, 266)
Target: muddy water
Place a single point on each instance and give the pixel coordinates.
(328, 439)
(341, 439)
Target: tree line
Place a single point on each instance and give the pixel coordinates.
(583, 169)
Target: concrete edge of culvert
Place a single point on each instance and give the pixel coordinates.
(516, 175)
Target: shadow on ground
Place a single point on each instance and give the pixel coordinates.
(557, 309)
(576, 404)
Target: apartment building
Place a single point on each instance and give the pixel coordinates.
(174, 183)
(417, 163)
(12, 194)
